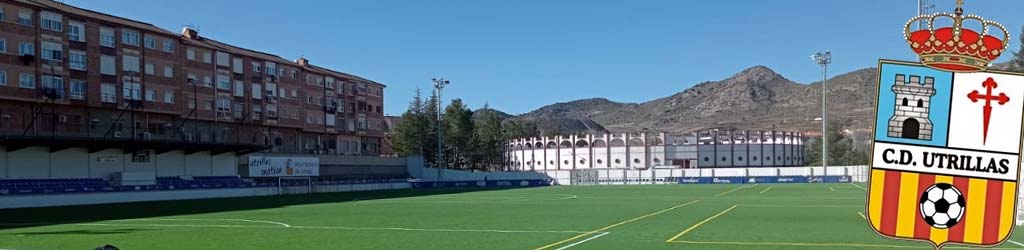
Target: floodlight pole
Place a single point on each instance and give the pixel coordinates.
(439, 84)
(824, 59)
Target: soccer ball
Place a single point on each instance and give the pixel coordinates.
(942, 205)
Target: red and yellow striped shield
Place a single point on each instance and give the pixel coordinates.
(946, 155)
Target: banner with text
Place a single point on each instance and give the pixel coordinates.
(282, 166)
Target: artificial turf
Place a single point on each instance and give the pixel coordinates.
(767, 216)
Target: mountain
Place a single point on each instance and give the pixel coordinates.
(755, 98)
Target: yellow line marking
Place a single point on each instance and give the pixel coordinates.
(862, 215)
(821, 244)
(701, 223)
(615, 225)
(858, 186)
(833, 189)
(730, 191)
(766, 189)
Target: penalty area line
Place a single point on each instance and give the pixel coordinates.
(695, 226)
(1016, 243)
(862, 215)
(858, 186)
(734, 190)
(766, 189)
(584, 240)
(614, 225)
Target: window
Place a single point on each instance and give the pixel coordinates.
(236, 65)
(150, 95)
(256, 67)
(51, 21)
(108, 93)
(106, 37)
(257, 91)
(25, 18)
(295, 93)
(54, 82)
(108, 65)
(239, 88)
(206, 57)
(3, 78)
(191, 103)
(168, 96)
(149, 41)
(271, 89)
(257, 113)
(223, 82)
(130, 64)
(223, 105)
(207, 81)
(906, 102)
(3, 45)
(132, 91)
(271, 68)
(52, 51)
(78, 89)
(168, 71)
(222, 59)
(130, 37)
(295, 74)
(76, 60)
(920, 103)
(190, 54)
(27, 81)
(76, 31)
(150, 68)
(169, 47)
(191, 80)
(26, 49)
(2, 14)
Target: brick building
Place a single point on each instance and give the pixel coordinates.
(77, 82)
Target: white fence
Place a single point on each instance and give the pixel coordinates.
(655, 175)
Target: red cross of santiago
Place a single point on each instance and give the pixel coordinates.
(988, 97)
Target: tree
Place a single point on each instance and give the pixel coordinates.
(1017, 63)
(410, 133)
(841, 150)
(488, 138)
(458, 132)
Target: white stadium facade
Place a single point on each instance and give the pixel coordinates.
(642, 150)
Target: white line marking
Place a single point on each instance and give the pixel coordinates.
(176, 219)
(584, 240)
(1014, 242)
(858, 186)
(328, 227)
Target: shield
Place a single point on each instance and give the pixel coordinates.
(946, 154)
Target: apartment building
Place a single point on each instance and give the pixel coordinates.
(78, 80)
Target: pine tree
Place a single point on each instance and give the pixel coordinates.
(458, 132)
(1017, 63)
(841, 151)
(487, 139)
(410, 133)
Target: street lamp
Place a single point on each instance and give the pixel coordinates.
(823, 59)
(439, 84)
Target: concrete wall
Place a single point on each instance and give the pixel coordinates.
(338, 165)
(119, 197)
(39, 162)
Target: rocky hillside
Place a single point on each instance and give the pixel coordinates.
(755, 98)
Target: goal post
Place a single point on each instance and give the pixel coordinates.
(294, 185)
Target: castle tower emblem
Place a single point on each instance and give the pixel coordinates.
(910, 119)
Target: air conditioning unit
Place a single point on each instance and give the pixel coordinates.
(117, 134)
(147, 136)
(62, 119)
(189, 137)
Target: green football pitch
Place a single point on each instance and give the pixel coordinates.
(768, 216)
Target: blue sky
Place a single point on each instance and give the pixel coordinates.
(523, 54)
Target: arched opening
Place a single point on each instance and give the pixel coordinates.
(599, 143)
(635, 142)
(566, 144)
(906, 102)
(618, 143)
(911, 129)
(581, 144)
(539, 145)
(920, 103)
